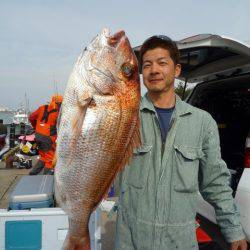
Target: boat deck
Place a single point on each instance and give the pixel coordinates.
(8, 180)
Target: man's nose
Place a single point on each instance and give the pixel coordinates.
(154, 69)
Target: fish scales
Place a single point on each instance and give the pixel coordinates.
(98, 130)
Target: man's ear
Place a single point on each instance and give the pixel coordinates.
(177, 70)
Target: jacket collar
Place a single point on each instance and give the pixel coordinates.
(181, 108)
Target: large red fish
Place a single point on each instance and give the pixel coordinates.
(99, 128)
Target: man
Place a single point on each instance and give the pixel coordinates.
(179, 156)
(44, 121)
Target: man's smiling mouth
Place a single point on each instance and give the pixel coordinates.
(155, 80)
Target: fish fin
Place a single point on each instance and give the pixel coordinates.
(59, 194)
(77, 122)
(54, 160)
(135, 142)
(106, 194)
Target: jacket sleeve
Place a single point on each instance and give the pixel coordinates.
(214, 184)
(33, 117)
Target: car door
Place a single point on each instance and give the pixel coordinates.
(206, 58)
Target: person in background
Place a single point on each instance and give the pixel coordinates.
(44, 121)
(179, 157)
(3, 134)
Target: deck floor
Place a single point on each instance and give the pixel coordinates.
(8, 180)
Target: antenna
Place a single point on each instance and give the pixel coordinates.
(25, 102)
(28, 105)
(55, 85)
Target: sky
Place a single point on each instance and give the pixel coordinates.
(40, 40)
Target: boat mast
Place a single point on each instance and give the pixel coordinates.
(26, 103)
(55, 85)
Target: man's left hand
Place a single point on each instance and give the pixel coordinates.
(239, 245)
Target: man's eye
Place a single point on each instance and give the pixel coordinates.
(163, 63)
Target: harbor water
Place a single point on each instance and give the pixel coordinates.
(7, 117)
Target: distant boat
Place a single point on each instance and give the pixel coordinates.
(5, 110)
(22, 114)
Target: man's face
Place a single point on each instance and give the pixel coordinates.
(159, 70)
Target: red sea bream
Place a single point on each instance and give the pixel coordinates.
(98, 130)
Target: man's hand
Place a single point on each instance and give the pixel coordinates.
(239, 245)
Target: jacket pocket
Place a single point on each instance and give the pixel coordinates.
(137, 171)
(186, 165)
(181, 237)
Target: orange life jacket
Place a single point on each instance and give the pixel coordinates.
(46, 121)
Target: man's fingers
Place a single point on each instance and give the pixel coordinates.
(239, 245)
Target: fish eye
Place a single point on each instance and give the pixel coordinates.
(127, 69)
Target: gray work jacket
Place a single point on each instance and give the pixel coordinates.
(159, 188)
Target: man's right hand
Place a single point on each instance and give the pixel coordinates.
(239, 245)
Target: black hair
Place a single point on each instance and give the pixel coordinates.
(162, 42)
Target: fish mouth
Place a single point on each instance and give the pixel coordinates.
(115, 39)
(106, 32)
(106, 42)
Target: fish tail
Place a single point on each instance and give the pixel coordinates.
(76, 243)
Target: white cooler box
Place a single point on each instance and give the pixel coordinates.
(33, 224)
(35, 191)
(43, 229)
